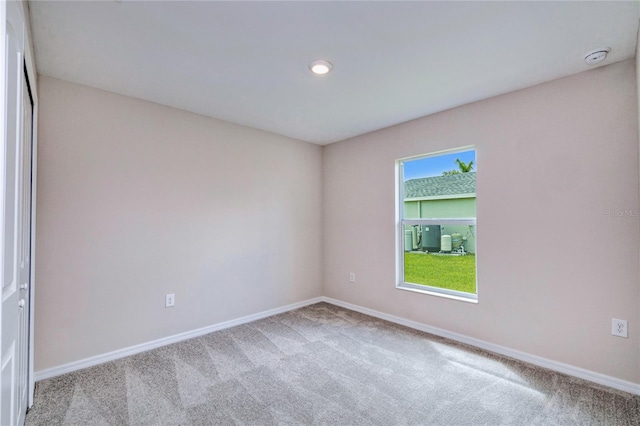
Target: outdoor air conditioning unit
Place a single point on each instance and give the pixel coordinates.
(431, 237)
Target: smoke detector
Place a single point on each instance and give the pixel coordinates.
(596, 56)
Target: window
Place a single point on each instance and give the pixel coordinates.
(436, 224)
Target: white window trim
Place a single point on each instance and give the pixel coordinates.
(443, 221)
(400, 222)
(441, 197)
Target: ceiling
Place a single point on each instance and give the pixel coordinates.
(246, 62)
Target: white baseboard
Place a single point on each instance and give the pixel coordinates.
(143, 347)
(602, 379)
(570, 370)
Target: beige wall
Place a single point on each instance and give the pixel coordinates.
(553, 268)
(136, 200)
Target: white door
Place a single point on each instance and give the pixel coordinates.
(13, 221)
(24, 247)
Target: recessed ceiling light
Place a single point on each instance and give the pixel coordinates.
(596, 56)
(320, 67)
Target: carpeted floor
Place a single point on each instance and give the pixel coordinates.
(324, 365)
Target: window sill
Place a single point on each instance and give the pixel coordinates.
(439, 292)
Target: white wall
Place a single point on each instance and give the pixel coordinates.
(136, 200)
(552, 159)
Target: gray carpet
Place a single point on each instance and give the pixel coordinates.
(324, 365)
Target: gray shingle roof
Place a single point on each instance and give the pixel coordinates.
(461, 183)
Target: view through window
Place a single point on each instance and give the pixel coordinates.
(437, 226)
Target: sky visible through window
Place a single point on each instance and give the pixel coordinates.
(436, 165)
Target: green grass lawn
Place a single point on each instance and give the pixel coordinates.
(450, 272)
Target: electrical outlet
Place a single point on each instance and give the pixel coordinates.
(169, 300)
(352, 277)
(619, 328)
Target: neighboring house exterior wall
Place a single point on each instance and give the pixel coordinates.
(450, 208)
(443, 209)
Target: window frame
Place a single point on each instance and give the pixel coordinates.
(401, 222)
